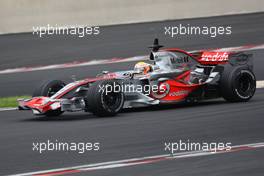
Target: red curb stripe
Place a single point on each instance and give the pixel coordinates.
(71, 171)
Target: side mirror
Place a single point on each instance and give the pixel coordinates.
(163, 79)
(105, 72)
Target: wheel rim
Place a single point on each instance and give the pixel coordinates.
(245, 85)
(112, 100)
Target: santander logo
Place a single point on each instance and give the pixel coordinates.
(214, 57)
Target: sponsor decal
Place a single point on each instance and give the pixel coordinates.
(214, 57)
(179, 93)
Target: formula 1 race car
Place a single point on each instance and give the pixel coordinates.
(172, 76)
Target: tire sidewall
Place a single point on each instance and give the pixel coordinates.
(249, 73)
(105, 107)
(95, 96)
(228, 83)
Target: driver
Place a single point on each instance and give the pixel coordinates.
(143, 67)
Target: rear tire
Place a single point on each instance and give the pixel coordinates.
(101, 103)
(238, 84)
(48, 89)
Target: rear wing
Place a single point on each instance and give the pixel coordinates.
(216, 58)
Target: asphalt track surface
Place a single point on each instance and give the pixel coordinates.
(114, 41)
(138, 132)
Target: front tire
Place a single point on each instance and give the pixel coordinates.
(48, 89)
(238, 84)
(102, 103)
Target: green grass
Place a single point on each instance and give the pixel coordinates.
(10, 101)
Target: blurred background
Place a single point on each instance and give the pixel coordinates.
(20, 15)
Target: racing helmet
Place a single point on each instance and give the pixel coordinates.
(142, 67)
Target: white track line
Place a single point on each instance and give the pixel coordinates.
(241, 48)
(7, 109)
(115, 60)
(260, 84)
(72, 64)
(139, 161)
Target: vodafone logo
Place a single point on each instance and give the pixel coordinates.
(179, 93)
(164, 89)
(214, 57)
